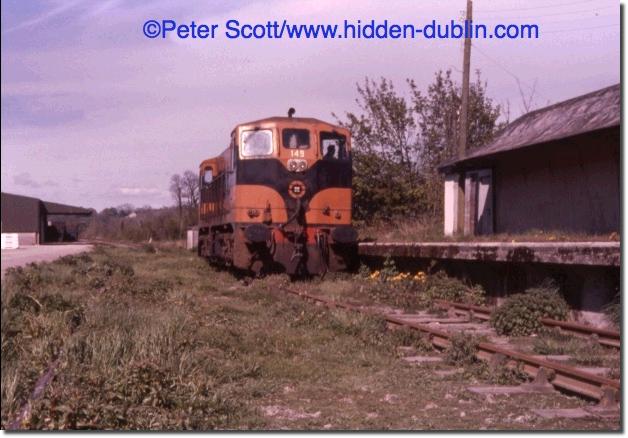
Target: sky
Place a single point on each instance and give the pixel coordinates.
(95, 114)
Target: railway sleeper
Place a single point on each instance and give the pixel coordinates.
(561, 376)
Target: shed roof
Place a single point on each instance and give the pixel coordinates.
(55, 208)
(589, 112)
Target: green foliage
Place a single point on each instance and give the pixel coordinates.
(406, 337)
(440, 286)
(498, 375)
(419, 291)
(363, 271)
(584, 351)
(398, 142)
(462, 349)
(389, 269)
(158, 224)
(613, 310)
(520, 314)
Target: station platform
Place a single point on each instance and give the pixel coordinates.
(561, 253)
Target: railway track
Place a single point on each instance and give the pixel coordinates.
(609, 338)
(564, 377)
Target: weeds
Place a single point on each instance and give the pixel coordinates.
(127, 365)
(583, 351)
(418, 291)
(613, 310)
(497, 375)
(462, 349)
(165, 342)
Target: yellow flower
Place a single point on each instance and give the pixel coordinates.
(420, 277)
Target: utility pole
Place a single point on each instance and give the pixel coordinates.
(464, 112)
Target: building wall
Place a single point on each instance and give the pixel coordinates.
(28, 239)
(21, 214)
(572, 185)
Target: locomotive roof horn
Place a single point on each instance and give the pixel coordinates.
(291, 112)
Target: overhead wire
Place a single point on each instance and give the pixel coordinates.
(539, 7)
(538, 16)
(581, 28)
(509, 72)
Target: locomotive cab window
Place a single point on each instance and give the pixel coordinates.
(333, 146)
(258, 143)
(208, 176)
(296, 138)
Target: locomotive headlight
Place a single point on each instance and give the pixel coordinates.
(297, 165)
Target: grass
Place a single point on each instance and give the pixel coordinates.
(409, 291)
(585, 352)
(431, 230)
(158, 340)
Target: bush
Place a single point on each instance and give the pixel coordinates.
(520, 314)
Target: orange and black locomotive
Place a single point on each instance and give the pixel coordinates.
(279, 198)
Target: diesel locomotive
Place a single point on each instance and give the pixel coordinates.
(279, 198)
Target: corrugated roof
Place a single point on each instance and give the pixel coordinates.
(589, 112)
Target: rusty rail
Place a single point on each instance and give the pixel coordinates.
(561, 376)
(609, 338)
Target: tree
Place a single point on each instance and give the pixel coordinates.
(384, 152)
(177, 191)
(191, 188)
(438, 119)
(125, 209)
(398, 143)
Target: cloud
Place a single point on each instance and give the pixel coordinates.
(42, 110)
(43, 17)
(24, 179)
(85, 95)
(141, 191)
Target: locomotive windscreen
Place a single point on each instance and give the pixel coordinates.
(296, 138)
(257, 143)
(333, 146)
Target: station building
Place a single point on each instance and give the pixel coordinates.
(553, 169)
(36, 221)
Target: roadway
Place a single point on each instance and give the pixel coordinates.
(35, 254)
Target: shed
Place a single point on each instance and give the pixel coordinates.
(36, 221)
(553, 169)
